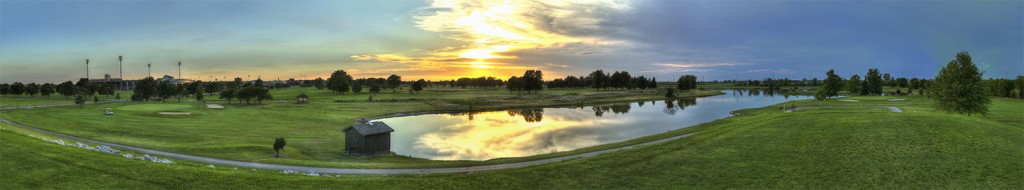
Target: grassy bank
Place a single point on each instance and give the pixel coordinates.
(241, 132)
(762, 148)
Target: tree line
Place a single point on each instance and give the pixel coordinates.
(957, 88)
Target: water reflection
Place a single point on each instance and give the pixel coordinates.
(526, 132)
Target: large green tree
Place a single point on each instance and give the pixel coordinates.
(66, 89)
(144, 89)
(1020, 86)
(686, 82)
(17, 88)
(418, 85)
(339, 82)
(957, 88)
(873, 83)
(599, 79)
(32, 89)
(394, 81)
(853, 85)
(830, 87)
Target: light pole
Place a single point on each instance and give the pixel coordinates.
(87, 68)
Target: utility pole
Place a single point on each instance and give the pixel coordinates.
(87, 68)
(120, 67)
(149, 69)
(179, 71)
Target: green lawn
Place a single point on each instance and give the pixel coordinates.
(313, 130)
(25, 100)
(762, 148)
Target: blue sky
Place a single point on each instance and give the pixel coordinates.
(47, 41)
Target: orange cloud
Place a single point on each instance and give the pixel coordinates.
(492, 30)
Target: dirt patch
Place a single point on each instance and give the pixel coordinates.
(174, 113)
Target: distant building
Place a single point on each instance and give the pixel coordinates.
(368, 138)
(302, 99)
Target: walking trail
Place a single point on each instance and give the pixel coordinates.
(892, 109)
(328, 170)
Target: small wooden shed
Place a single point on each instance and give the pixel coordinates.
(302, 98)
(368, 138)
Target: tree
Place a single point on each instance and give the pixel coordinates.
(228, 94)
(165, 90)
(47, 89)
(620, 79)
(1020, 86)
(514, 84)
(32, 89)
(318, 83)
(198, 91)
(830, 87)
(394, 81)
(5, 89)
(17, 89)
(873, 82)
(117, 96)
(95, 99)
(339, 82)
(533, 80)
(66, 89)
(600, 79)
(418, 85)
(670, 93)
(853, 85)
(262, 94)
(902, 82)
(957, 87)
(356, 88)
(686, 82)
(79, 98)
(144, 89)
(86, 88)
(374, 89)
(278, 146)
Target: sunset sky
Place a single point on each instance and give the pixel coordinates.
(48, 41)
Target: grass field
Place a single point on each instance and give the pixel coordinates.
(25, 100)
(762, 148)
(313, 130)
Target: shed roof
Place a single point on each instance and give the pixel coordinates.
(302, 96)
(371, 128)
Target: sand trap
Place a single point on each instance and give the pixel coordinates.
(845, 100)
(896, 99)
(174, 113)
(214, 106)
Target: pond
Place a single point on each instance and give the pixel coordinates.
(527, 132)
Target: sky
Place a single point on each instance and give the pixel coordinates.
(48, 41)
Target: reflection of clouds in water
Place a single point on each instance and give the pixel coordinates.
(495, 134)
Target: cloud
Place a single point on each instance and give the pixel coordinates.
(695, 65)
(493, 32)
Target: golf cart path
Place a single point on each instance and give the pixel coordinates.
(891, 108)
(328, 170)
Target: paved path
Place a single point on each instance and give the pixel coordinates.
(325, 170)
(892, 109)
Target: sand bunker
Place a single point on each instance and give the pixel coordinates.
(214, 106)
(897, 99)
(174, 113)
(845, 100)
